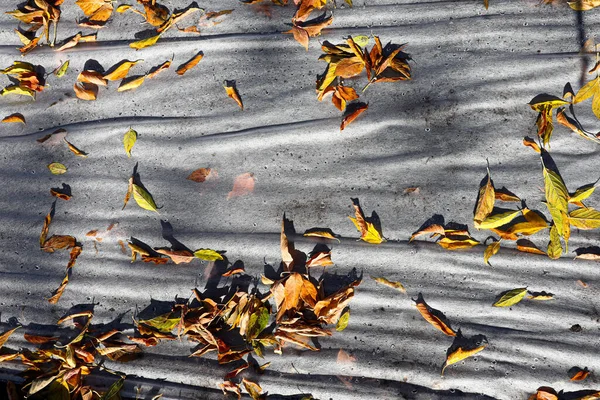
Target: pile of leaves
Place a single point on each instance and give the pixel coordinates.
(26, 78)
(236, 320)
(348, 60)
(58, 368)
(37, 14)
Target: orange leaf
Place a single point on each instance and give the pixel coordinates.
(353, 113)
(233, 93)
(16, 117)
(94, 77)
(200, 175)
(300, 36)
(183, 68)
(86, 91)
(158, 69)
(120, 71)
(433, 316)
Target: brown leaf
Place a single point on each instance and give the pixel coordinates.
(70, 43)
(352, 113)
(183, 68)
(60, 194)
(86, 91)
(242, 185)
(433, 230)
(74, 149)
(4, 337)
(158, 69)
(433, 316)
(58, 242)
(300, 36)
(46, 226)
(177, 256)
(35, 339)
(90, 76)
(199, 175)
(578, 374)
(232, 92)
(345, 358)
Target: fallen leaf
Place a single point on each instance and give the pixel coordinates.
(394, 285)
(460, 354)
(554, 246)
(120, 70)
(232, 92)
(183, 68)
(177, 256)
(86, 91)
(90, 76)
(529, 142)
(578, 374)
(433, 316)
(199, 175)
(131, 83)
(490, 251)
(432, 230)
(143, 198)
(129, 140)
(57, 168)
(75, 150)
(141, 44)
(585, 218)
(527, 246)
(253, 389)
(325, 233)
(540, 296)
(368, 231)
(352, 114)
(35, 339)
(4, 337)
(208, 255)
(345, 358)
(60, 194)
(511, 297)
(342, 322)
(242, 185)
(158, 69)
(16, 117)
(58, 242)
(300, 36)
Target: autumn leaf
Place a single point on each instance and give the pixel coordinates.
(460, 354)
(498, 217)
(75, 150)
(527, 246)
(433, 316)
(199, 175)
(86, 91)
(540, 296)
(253, 389)
(368, 231)
(300, 36)
(342, 323)
(433, 230)
(96, 10)
(461, 243)
(47, 221)
(585, 218)
(129, 192)
(242, 185)
(129, 140)
(94, 77)
(232, 92)
(183, 68)
(490, 251)
(325, 233)
(158, 69)
(4, 337)
(143, 198)
(394, 285)
(578, 374)
(582, 193)
(141, 44)
(511, 297)
(58, 242)
(120, 70)
(16, 117)
(352, 112)
(131, 83)
(57, 168)
(208, 255)
(554, 246)
(177, 256)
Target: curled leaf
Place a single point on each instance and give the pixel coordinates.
(511, 297)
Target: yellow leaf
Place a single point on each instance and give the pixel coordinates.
(183, 68)
(86, 91)
(543, 102)
(14, 89)
(527, 246)
(511, 297)
(583, 5)
(57, 168)
(342, 323)
(457, 244)
(74, 149)
(120, 71)
(140, 44)
(554, 246)
(123, 7)
(322, 233)
(582, 193)
(491, 250)
(586, 91)
(4, 337)
(498, 219)
(540, 296)
(16, 117)
(394, 285)
(485, 199)
(253, 389)
(371, 235)
(131, 83)
(460, 354)
(208, 255)
(143, 198)
(433, 316)
(62, 70)
(585, 218)
(156, 70)
(129, 140)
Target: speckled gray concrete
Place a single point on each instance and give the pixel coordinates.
(474, 72)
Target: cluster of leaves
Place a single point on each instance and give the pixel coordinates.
(347, 60)
(37, 14)
(58, 368)
(179, 255)
(56, 243)
(548, 393)
(236, 320)
(26, 79)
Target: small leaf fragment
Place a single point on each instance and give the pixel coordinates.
(232, 92)
(16, 117)
(394, 285)
(183, 68)
(199, 175)
(242, 185)
(511, 297)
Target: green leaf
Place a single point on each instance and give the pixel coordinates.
(511, 297)
(114, 390)
(143, 198)
(258, 322)
(129, 140)
(163, 323)
(57, 168)
(62, 70)
(585, 218)
(208, 255)
(343, 321)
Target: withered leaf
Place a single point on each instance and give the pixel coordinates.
(242, 185)
(527, 246)
(158, 69)
(300, 36)
(368, 231)
(578, 374)
(490, 251)
(96, 10)
(183, 68)
(231, 90)
(75, 150)
(585, 218)
(460, 354)
(177, 256)
(90, 76)
(16, 117)
(253, 389)
(60, 194)
(432, 230)
(47, 221)
(131, 83)
(325, 233)
(120, 70)
(394, 285)
(35, 339)
(86, 91)
(57, 168)
(4, 337)
(129, 192)
(58, 242)
(199, 175)
(433, 316)
(511, 297)
(352, 113)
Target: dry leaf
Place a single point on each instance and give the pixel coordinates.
(57, 168)
(253, 389)
(16, 117)
(460, 354)
(578, 374)
(232, 92)
(394, 285)
(199, 175)
(86, 91)
(158, 69)
(432, 230)
(325, 233)
(368, 231)
(540, 296)
(243, 185)
(345, 358)
(527, 246)
(131, 83)
(91, 76)
(120, 70)
(511, 297)
(141, 44)
(183, 68)
(177, 256)
(433, 316)
(490, 251)
(353, 113)
(75, 150)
